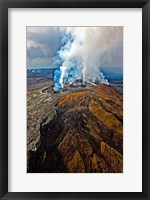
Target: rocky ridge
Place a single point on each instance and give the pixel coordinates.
(84, 136)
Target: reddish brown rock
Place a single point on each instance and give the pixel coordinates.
(85, 135)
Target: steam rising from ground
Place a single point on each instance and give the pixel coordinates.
(81, 53)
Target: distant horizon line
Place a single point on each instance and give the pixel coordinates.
(58, 67)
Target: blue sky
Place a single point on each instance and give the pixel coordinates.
(44, 42)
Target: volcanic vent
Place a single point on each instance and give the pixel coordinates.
(85, 135)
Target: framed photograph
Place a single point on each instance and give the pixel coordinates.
(74, 99)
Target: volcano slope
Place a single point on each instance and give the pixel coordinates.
(85, 135)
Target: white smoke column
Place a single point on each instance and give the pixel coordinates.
(97, 41)
(70, 53)
(84, 49)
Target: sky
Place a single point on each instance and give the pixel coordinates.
(44, 42)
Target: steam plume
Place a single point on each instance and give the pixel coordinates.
(82, 51)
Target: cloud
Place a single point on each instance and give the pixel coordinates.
(42, 45)
(39, 62)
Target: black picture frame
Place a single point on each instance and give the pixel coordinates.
(4, 6)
